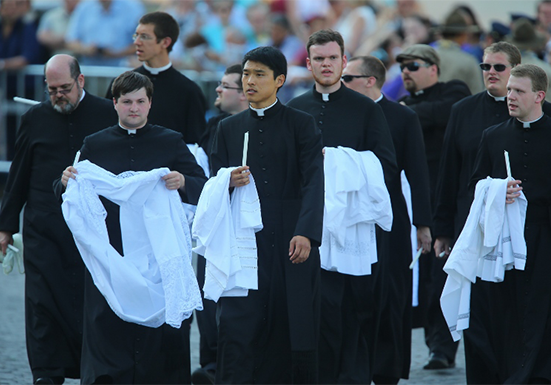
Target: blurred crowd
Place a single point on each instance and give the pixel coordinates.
(217, 33)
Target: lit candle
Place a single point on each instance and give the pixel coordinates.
(245, 148)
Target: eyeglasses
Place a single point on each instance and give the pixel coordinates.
(63, 90)
(497, 67)
(413, 66)
(227, 87)
(142, 36)
(349, 78)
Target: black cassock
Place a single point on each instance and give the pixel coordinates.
(262, 336)
(518, 319)
(393, 347)
(469, 118)
(115, 350)
(178, 103)
(349, 320)
(46, 143)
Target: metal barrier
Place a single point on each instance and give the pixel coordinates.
(97, 79)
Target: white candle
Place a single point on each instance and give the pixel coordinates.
(507, 165)
(245, 148)
(416, 258)
(25, 101)
(77, 157)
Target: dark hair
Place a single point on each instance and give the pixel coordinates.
(511, 50)
(164, 26)
(235, 69)
(372, 66)
(325, 36)
(131, 81)
(270, 57)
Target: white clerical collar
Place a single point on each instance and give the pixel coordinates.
(156, 71)
(325, 97)
(420, 92)
(130, 132)
(260, 111)
(82, 97)
(527, 124)
(497, 98)
(379, 98)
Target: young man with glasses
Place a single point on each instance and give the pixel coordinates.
(468, 119)
(179, 103)
(348, 119)
(366, 75)
(49, 136)
(432, 101)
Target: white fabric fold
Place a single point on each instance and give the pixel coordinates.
(356, 198)
(492, 242)
(154, 282)
(225, 230)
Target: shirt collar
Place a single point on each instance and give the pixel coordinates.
(379, 98)
(156, 71)
(260, 111)
(527, 124)
(497, 98)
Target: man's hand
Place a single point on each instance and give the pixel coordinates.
(424, 238)
(299, 249)
(513, 190)
(240, 177)
(442, 247)
(5, 240)
(69, 173)
(174, 181)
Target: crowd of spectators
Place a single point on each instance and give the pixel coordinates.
(216, 33)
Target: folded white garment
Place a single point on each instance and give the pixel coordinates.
(225, 230)
(491, 242)
(356, 198)
(154, 282)
(14, 256)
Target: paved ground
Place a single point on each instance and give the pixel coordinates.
(13, 359)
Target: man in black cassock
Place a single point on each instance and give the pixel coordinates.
(366, 75)
(346, 118)
(179, 103)
(432, 101)
(115, 351)
(468, 119)
(48, 139)
(271, 335)
(231, 100)
(519, 308)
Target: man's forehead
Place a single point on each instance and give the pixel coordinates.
(497, 56)
(352, 66)
(230, 78)
(329, 48)
(256, 66)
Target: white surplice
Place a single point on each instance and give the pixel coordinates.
(225, 230)
(491, 242)
(154, 282)
(356, 198)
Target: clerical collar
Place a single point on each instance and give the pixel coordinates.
(156, 71)
(260, 111)
(82, 97)
(497, 98)
(527, 124)
(379, 98)
(130, 132)
(420, 92)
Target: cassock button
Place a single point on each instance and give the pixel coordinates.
(261, 143)
(525, 141)
(131, 147)
(131, 160)
(263, 168)
(321, 113)
(265, 182)
(320, 122)
(525, 154)
(262, 155)
(323, 107)
(260, 131)
(525, 166)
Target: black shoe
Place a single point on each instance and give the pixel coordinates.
(438, 361)
(46, 380)
(203, 376)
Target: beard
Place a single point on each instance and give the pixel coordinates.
(66, 109)
(410, 86)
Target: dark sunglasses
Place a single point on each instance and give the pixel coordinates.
(497, 67)
(413, 66)
(349, 78)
